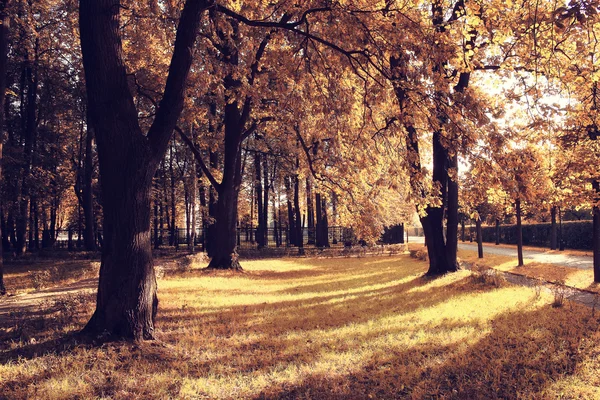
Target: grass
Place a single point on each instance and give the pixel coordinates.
(342, 328)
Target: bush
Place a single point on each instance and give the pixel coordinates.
(575, 235)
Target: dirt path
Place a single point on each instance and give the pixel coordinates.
(25, 302)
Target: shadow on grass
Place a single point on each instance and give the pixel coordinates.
(522, 355)
(386, 332)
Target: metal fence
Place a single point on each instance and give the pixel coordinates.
(246, 238)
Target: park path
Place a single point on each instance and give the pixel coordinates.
(540, 256)
(31, 301)
(26, 302)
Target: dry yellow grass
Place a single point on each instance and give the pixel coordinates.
(315, 328)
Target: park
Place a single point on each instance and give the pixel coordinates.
(316, 199)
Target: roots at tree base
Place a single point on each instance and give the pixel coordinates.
(230, 263)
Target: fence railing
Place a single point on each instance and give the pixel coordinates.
(246, 238)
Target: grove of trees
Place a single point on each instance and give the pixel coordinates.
(123, 120)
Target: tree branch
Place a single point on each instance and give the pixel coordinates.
(199, 158)
(171, 105)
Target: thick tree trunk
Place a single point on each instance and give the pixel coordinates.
(479, 238)
(126, 300)
(443, 259)
(225, 244)
(519, 233)
(225, 248)
(553, 230)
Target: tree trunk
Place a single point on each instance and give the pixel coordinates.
(193, 191)
(225, 249)
(4, 27)
(479, 238)
(462, 229)
(299, 234)
(322, 228)
(519, 233)
(211, 233)
(126, 301)
(265, 210)
(553, 230)
(319, 220)
(561, 242)
(596, 233)
(31, 79)
(310, 213)
(292, 231)
(452, 214)
(173, 236)
(497, 231)
(259, 200)
(156, 240)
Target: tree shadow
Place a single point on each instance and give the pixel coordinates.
(522, 355)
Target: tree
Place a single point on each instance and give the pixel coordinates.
(127, 301)
(4, 29)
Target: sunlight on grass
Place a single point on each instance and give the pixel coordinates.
(320, 328)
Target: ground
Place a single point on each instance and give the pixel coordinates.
(353, 327)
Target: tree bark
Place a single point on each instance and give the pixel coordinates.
(519, 233)
(127, 301)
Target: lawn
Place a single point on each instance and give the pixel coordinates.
(326, 328)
